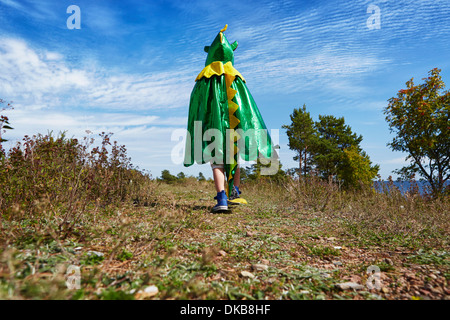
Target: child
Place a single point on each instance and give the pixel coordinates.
(219, 182)
(222, 107)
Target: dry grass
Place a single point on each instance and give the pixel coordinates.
(308, 236)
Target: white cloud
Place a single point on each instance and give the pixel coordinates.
(147, 138)
(13, 4)
(162, 90)
(48, 93)
(43, 78)
(35, 76)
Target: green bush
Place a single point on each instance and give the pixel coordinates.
(64, 175)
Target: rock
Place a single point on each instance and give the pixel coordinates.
(437, 290)
(425, 292)
(388, 261)
(428, 286)
(331, 239)
(260, 267)
(410, 275)
(247, 274)
(385, 290)
(350, 285)
(304, 291)
(337, 263)
(222, 253)
(354, 278)
(337, 248)
(271, 280)
(99, 254)
(148, 292)
(265, 261)
(433, 276)
(250, 234)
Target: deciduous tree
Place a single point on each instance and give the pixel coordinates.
(420, 119)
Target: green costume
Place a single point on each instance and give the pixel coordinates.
(221, 100)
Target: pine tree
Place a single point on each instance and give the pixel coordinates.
(301, 134)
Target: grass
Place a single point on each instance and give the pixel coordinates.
(308, 236)
(188, 253)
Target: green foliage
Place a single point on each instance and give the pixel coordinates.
(201, 177)
(334, 136)
(4, 125)
(322, 251)
(302, 134)
(112, 294)
(253, 172)
(181, 176)
(166, 176)
(419, 116)
(430, 257)
(330, 149)
(69, 175)
(125, 255)
(356, 169)
(92, 258)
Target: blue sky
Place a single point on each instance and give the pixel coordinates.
(131, 67)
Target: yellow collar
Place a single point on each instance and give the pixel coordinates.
(218, 68)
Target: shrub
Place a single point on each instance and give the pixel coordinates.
(67, 175)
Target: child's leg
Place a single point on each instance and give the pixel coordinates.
(219, 178)
(237, 176)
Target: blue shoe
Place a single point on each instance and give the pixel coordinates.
(222, 203)
(235, 197)
(235, 193)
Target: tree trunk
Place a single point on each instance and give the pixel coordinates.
(299, 165)
(304, 162)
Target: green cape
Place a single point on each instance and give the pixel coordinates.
(224, 121)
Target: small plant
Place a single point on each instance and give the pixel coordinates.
(125, 255)
(322, 251)
(431, 257)
(4, 122)
(92, 258)
(111, 294)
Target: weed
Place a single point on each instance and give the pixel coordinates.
(125, 255)
(430, 257)
(323, 251)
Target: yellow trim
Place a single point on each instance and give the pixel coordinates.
(234, 121)
(239, 201)
(224, 28)
(217, 68)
